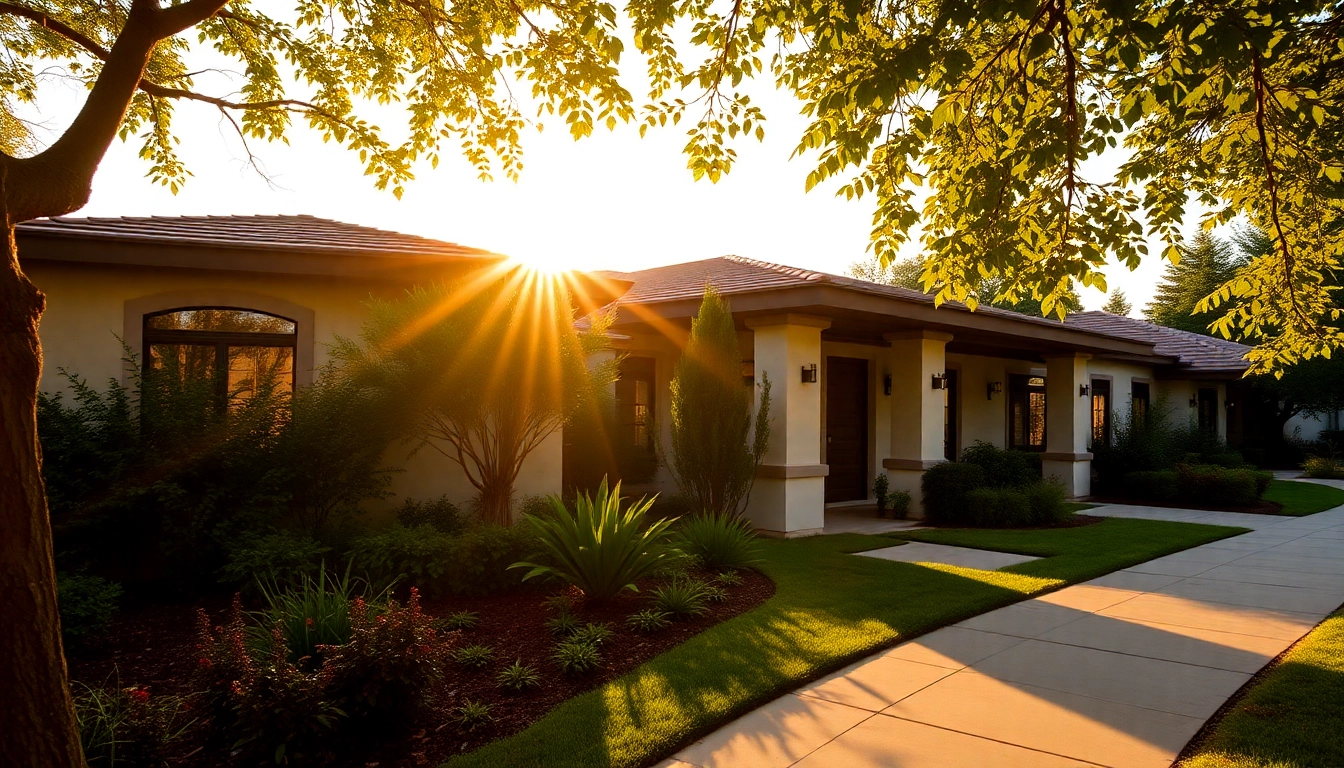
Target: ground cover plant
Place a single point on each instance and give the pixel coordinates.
(810, 627)
(1290, 717)
(1300, 499)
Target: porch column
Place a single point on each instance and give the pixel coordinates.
(789, 496)
(1068, 421)
(917, 410)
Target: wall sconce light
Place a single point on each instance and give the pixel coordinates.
(886, 384)
(1228, 404)
(940, 381)
(993, 388)
(810, 374)
(1194, 402)
(1084, 390)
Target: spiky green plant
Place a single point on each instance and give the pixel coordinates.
(518, 676)
(577, 658)
(597, 634)
(473, 714)
(599, 547)
(719, 542)
(563, 624)
(648, 620)
(474, 656)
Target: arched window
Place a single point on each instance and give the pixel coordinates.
(241, 350)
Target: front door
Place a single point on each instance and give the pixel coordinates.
(846, 429)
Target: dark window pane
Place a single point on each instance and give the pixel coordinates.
(1101, 412)
(183, 362)
(224, 320)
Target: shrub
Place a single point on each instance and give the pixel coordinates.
(577, 658)
(383, 678)
(599, 548)
(563, 624)
(899, 501)
(997, 508)
(473, 714)
(1003, 468)
(419, 557)
(719, 542)
(881, 485)
(87, 604)
(945, 487)
(474, 656)
(281, 558)
(128, 726)
(1325, 467)
(1046, 500)
(681, 597)
(314, 614)
(518, 677)
(458, 620)
(648, 620)
(1151, 485)
(440, 514)
(1211, 485)
(484, 554)
(595, 634)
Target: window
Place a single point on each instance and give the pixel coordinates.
(950, 417)
(241, 350)
(1139, 402)
(634, 401)
(1026, 412)
(1101, 412)
(1208, 410)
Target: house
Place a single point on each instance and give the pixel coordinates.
(866, 378)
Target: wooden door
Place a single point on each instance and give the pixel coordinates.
(846, 429)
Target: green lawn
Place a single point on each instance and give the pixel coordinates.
(1293, 717)
(1303, 498)
(829, 608)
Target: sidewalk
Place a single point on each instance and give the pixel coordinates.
(1119, 671)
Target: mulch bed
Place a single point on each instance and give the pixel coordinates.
(1262, 508)
(154, 645)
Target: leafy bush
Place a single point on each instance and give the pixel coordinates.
(681, 597)
(518, 677)
(1324, 467)
(1046, 499)
(945, 487)
(599, 548)
(596, 634)
(440, 514)
(473, 714)
(577, 658)
(648, 620)
(484, 554)
(87, 604)
(281, 558)
(997, 508)
(316, 613)
(899, 501)
(719, 542)
(881, 486)
(384, 677)
(128, 726)
(1214, 486)
(474, 656)
(1152, 485)
(1003, 468)
(418, 557)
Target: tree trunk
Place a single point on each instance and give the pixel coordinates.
(35, 705)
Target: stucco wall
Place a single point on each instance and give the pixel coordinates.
(86, 313)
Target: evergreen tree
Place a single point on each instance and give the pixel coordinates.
(1118, 304)
(715, 448)
(1205, 264)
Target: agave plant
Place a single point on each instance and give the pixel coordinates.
(599, 547)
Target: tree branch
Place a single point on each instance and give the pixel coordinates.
(57, 26)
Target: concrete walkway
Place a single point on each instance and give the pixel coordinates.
(1119, 671)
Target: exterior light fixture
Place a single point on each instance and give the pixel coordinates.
(886, 384)
(940, 381)
(993, 388)
(1194, 402)
(1084, 390)
(810, 374)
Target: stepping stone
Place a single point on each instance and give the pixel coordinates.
(921, 552)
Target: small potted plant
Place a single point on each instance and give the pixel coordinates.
(900, 504)
(880, 487)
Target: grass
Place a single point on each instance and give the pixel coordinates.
(1292, 716)
(1077, 506)
(1300, 499)
(829, 608)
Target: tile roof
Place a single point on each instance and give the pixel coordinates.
(735, 275)
(1192, 349)
(284, 233)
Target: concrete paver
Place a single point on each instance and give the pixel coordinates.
(1118, 671)
(923, 552)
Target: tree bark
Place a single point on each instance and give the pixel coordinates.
(35, 705)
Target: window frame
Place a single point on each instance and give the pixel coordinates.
(219, 340)
(1021, 388)
(1103, 388)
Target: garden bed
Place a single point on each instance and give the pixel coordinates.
(154, 645)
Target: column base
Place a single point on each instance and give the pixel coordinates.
(788, 506)
(1074, 470)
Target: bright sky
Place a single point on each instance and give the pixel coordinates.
(613, 201)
